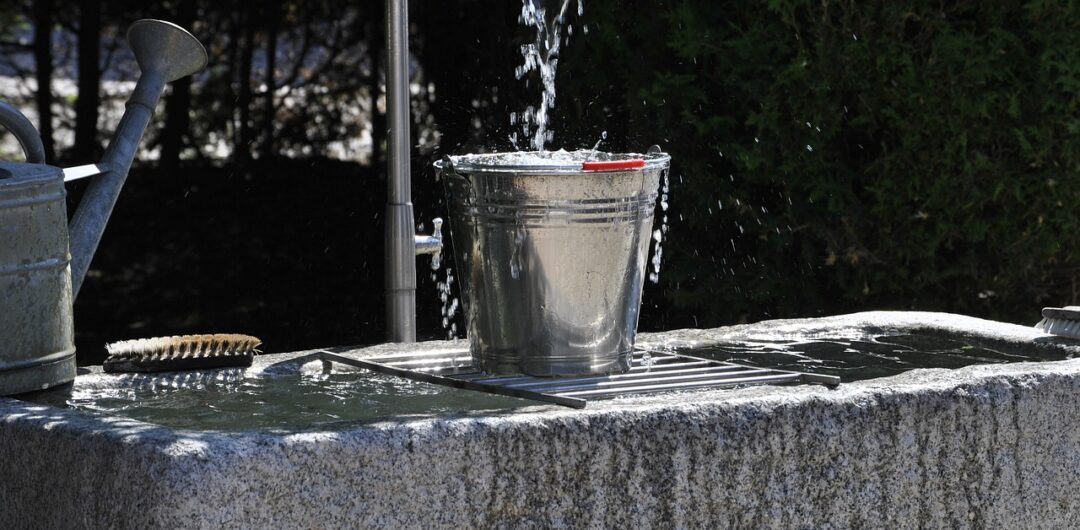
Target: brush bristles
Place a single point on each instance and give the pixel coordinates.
(184, 347)
(1059, 326)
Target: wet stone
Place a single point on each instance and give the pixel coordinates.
(984, 446)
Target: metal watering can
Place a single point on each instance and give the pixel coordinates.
(41, 265)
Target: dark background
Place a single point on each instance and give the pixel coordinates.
(828, 157)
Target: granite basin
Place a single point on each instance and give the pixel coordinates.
(994, 445)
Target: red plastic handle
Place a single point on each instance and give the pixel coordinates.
(610, 165)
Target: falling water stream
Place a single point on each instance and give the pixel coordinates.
(659, 233)
(449, 303)
(542, 55)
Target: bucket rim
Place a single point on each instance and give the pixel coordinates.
(654, 159)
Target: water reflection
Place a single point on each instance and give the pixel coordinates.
(304, 396)
(295, 401)
(867, 358)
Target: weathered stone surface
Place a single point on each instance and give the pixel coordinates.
(991, 446)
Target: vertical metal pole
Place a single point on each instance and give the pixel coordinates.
(400, 227)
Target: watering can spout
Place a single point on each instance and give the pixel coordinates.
(165, 52)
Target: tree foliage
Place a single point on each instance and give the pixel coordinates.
(835, 156)
(285, 78)
(828, 156)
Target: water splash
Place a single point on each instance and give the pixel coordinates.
(541, 55)
(659, 233)
(450, 305)
(647, 360)
(603, 136)
(444, 289)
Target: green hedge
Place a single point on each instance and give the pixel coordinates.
(841, 156)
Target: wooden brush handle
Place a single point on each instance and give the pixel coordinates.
(177, 363)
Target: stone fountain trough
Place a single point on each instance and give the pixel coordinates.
(994, 445)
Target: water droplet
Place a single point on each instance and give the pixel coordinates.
(658, 234)
(448, 310)
(603, 136)
(647, 360)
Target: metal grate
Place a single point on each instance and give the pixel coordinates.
(651, 371)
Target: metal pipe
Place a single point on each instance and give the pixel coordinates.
(432, 244)
(400, 272)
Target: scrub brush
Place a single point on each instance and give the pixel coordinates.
(186, 352)
(1063, 321)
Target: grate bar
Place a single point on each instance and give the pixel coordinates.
(394, 357)
(655, 387)
(666, 367)
(665, 371)
(442, 363)
(560, 385)
(566, 401)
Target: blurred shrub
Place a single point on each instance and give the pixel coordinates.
(840, 156)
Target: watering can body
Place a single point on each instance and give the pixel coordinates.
(42, 262)
(36, 332)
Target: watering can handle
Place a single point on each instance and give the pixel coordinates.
(24, 132)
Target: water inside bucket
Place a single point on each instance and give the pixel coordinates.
(558, 160)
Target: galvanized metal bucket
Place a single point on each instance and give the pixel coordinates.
(552, 249)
